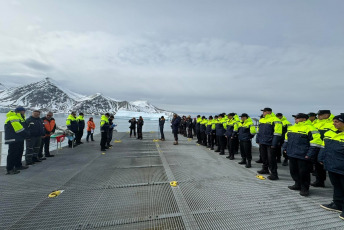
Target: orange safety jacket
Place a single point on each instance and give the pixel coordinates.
(49, 125)
(90, 125)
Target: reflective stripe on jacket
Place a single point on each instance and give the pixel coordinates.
(302, 139)
(332, 155)
(269, 130)
(246, 130)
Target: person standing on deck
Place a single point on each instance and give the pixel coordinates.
(161, 127)
(33, 142)
(49, 127)
(90, 129)
(246, 132)
(104, 129)
(175, 125)
(15, 134)
(285, 124)
(332, 157)
(190, 126)
(110, 133)
(81, 126)
(132, 126)
(140, 123)
(324, 124)
(221, 126)
(268, 137)
(198, 129)
(302, 144)
(72, 125)
(231, 134)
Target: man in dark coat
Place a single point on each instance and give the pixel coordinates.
(132, 126)
(140, 123)
(161, 126)
(175, 125)
(33, 143)
(109, 135)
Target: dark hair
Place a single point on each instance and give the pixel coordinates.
(107, 114)
(81, 113)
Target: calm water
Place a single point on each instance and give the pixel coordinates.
(122, 126)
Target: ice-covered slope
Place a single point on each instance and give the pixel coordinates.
(48, 95)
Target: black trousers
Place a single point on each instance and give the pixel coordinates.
(175, 134)
(46, 144)
(103, 139)
(204, 138)
(210, 140)
(222, 144)
(32, 149)
(269, 158)
(162, 132)
(131, 131)
(198, 133)
(190, 133)
(139, 133)
(337, 180)
(79, 135)
(235, 144)
(320, 172)
(300, 171)
(15, 153)
(246, 150)
(89, 134)
(109, 137)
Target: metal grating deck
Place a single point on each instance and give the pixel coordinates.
(128, 188)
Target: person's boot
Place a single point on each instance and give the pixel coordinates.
(248, 164)
(259, 161)
(12, 172)
(49, 155)
(22, 167)
(278, 160)
(232, 157)
(285, 162)
(175, 143)
(294, 187)
(320, 184)
(263, 171)
(273, 177)
(222, 152)
(242, 162)
(304, 192)
(217, 150)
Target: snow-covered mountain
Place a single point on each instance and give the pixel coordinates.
(47, 95)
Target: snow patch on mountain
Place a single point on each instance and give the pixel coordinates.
(48, 95)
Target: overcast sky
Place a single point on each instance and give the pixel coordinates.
(182, 55)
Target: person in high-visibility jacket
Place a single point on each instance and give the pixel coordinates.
(81, 126)
(203, 124)
(313, 117)
(104, 129)
(332, 157)
(246, 131)
(15, 134)
(232, 134)
(215, 121)
(198, 129)
(221, 127)
(72, 125)
(268, 138)
(285, 124)
(302, 144)
(208, 132)
(324, 124)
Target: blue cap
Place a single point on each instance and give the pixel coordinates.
(19, 109)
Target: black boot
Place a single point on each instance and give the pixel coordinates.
(285, 162)
(242, 162)
(248, 164)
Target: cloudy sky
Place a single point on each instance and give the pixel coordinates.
(182, 55)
